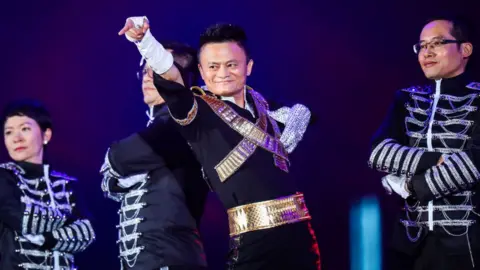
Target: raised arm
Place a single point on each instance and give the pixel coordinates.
(167, 76)
(137, 30)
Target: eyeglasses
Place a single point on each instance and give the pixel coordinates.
(143, 72)
(434, 44)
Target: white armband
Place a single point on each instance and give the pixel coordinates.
(159, 59)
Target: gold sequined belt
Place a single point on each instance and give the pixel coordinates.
(267, 214)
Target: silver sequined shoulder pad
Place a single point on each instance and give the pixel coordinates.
(62, 176)
(418, 89)
(11, 166)
(474, 86)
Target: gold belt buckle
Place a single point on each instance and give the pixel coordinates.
(267, 214)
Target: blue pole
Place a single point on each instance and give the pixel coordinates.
(366, 235)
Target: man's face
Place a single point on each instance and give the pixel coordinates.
(439, 60)
(224, 68)
(151, 96)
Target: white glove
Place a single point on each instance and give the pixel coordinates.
(386, 186)
(130, 181)
(159, 59)
(396, 184)
(138, 23)
(36, 239)
(296, 120)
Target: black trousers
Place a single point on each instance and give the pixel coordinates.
(291, 246)
(432, 255)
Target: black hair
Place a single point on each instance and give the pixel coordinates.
(181, 50)
(219, 33)
(462, 29)
(31, 108)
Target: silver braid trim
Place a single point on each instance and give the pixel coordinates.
(108, 174)
(128, 234)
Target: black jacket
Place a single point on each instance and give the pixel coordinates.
(424, 123)
(35, 200)
(249, 175)
(160, 215)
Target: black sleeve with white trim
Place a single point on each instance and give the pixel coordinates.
(389, 151)
(180, 100)
(75, 236)
(459, 172)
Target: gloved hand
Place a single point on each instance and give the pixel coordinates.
(36, 239)
(396, 184)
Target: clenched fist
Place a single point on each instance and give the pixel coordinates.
(135, 28)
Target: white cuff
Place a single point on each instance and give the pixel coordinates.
(159, 59)
(36, 239)
(130, 181)
(107, 169)
(386, 186)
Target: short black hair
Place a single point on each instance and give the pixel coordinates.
(223, 32)
(183, 50)
(462, 29)
(31, 108)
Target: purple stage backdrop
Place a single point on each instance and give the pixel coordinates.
(343, 59)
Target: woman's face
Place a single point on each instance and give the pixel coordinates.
(24, 139)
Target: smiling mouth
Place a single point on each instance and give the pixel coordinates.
(429, 64)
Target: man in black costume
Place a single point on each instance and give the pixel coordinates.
(429, 146)
(160, 186)
(242, 145)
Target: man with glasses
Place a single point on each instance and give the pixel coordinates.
(160, 186)
(429, 147)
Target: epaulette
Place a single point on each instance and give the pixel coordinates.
(256, 95)
(474, 86)
(11, 166)
(62, 175)
(200, 91)
(418, 89)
